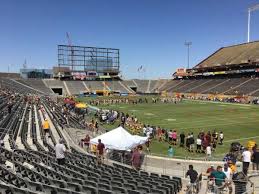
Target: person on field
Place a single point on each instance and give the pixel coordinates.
(174, 137)
(198, 144)
(191, 142)
(182, 139)
(170, 152)
(208, 152)
(221, 138)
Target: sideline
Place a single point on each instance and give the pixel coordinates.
(227, 103)
(231, 140)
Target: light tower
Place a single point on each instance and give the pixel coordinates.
(188, 44)
(250, 9)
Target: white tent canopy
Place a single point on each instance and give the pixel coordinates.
(119, 139)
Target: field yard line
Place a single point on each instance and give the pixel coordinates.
(227, 103)
(231, 140)
(222, 124)
(215, 119)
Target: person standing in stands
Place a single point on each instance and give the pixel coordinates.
(1, 143)
(9, 106)
(255, 158)
(228, 173)
(209, 172)
(192, 174)
(87, 142)
(100, 152)
(60, 150)
(136, 159)
(246, 156)
(46, 127)
(219, 177)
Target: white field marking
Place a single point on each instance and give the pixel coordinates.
(122, 107)
(214, 118)
(246, 107)
(170, 119)
(202, 103)
(231, 140)
(222, 124)
(222, 105)
(227, 103)
(149, 114)
(133, 110)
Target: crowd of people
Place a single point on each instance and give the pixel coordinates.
(227, 176)
(133, 100)
(204, 142)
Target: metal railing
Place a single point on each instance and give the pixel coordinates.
(238, 186)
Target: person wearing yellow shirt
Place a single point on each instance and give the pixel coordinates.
(45, 126)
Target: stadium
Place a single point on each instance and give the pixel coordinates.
(80, 127)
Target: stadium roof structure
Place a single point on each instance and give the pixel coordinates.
(241, 54)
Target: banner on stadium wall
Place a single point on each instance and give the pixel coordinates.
(208, 73)
(247, 70)
(219, 72)
(233, 71)
(181, 72)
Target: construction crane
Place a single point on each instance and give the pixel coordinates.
(250, 9)
(72, 50)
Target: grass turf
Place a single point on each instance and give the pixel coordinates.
(237, 121)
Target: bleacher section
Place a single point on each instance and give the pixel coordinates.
(151, 87)
(30, 166)
(233, 86)
(245, 87)
(95, 85)
(76, 87)
(37, 84)
(117, 86)
(229, 84)
(129, 83)
(226, 86)
(51, 83)
(232, 55)
(142, 85)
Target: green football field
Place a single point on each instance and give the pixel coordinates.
(239, 122)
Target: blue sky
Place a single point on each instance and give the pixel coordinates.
(147, 32)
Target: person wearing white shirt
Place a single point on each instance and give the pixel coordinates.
(228, 173)
(246, 156)
(60, 150)
(198, 145)
(144, 130)
(208, 152)
(1, 143)
(221, 138)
